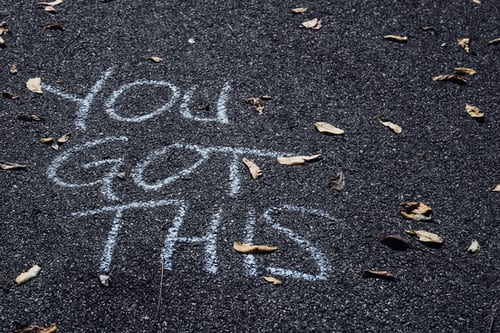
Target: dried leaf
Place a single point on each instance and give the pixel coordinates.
(104, 279)
(10, 94)
(299, 10)
(324, 127)
(47, 140)
(256, 103)
(23, 328)
(464, 44)
(390, 124)
(266, 97)
(54, 146)
(35, 85)
(474, 247)
(494, 41)
(450, 77)
(248, 248)
(395, 242)
(416, 211)
(53, 26)
(338, 184)
(400, 39)
(477, 1)
(4, 29)
(495, 188)
(253, 168)
(4, 165)
(2, 41)
(121, 175)
(368, 273)
(13, 69)
(293, 160)
(53, 3)
(50, 9)
(272, 280)
(474, 111)
(64, 138)
(465, 70)
(28, 275)
(155, 59)
(425, 236)
(191, 41)
(314, 24)
(30, 117)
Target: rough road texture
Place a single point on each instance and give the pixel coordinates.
(345, 73)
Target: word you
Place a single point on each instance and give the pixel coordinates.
(84, 103)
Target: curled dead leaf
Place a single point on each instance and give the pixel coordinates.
(465, 70)
(474, 111)
(34, 85)
(30, 117)
(4, 165)
(314, 24)
(28, 275)
(464, 43)
(416, 211)
(450, 77)
(155, 59)
(191, 41)
(477, 1)
(324, 127)
(13, 69)
(293, 160)
(47, 140)
(54, 145)
(390, 124)
(394, 38)
(256, 103)
(338, 184)
(494, 41)
(272, 280)
(53, 26)
(22, 328)
(2, 41)
(299, 10)
(426, 236)
(104, 279)
(253, 168)
(495, 188)
(395, 242)
(248, 248)
(474, 247)
(10, 94)
(369, 273)
(4, 28)
(64, 138)
(266, 97)
(49, 9)
(52, 3)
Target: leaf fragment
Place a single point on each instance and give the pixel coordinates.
(477, 1)
(191, 41)
(253, 168)
(155, 59)
(30, 117)
(369, 273)
(390, 124)
(34, 85)
(249, 248)
(416, 211)
(10, 94)
(395, 242)
(47, 140)
(256, 103)
(272, 280)
(64, 138)
(474, 111)
(4, 165)
(28, 275)
(324, 127)
(13, 69)
(450, 77)
(465, 70)
(464, 43)
(299, 10)
(494, 41)
(4, 28)
(495, 188)
(474, 247)
(2, 41)
(49, 9)
(338, 184)
(52, 3)
(53, 26)
(23, 328)
(104, 279)
(426, 236)
(394, 38)
(314, 24)
(294, 160)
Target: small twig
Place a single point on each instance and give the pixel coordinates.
(159, 293)
(231, 28)
(492, 321)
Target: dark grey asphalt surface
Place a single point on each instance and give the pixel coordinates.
(344, 73)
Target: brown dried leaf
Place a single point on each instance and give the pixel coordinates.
(450, 77)
(155, 59)
(253, 168)
(426, 236)
(54, 146)
(35, 85)
(293, 160)
(395, 242)
(4, 165)
(28, 275)
(47, 140)
(64, 138)
(299, 10)
(21, 328)
(272, 280)
(368, 273)
(10, 94)
(324, 127)
(50, 9)
(314, 24)
(338, 183)
(474, 111)
(53, 3)
(465, 70)
(254, 101)
(464, 44)
(53, 26)
(13, 69)
(30, 117)
(416, 211)
(495, 188)
(4, 29)
(390, 124)
(400, 39)
(494, 41)
(248, 248)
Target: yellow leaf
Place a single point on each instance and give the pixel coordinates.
(293, 160)
(464, 44)
(34, 85)
(474, 111)
(248, 248)
(272, 280)
(28, 275)
(474, 247)
(425, 236)
(390, 124)
(299, 10)
(324, 127)
(401, 39)
(253, 168)
(465, 70)
(494, 41)
(155, 59)
(450, 77)
(416, 211)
